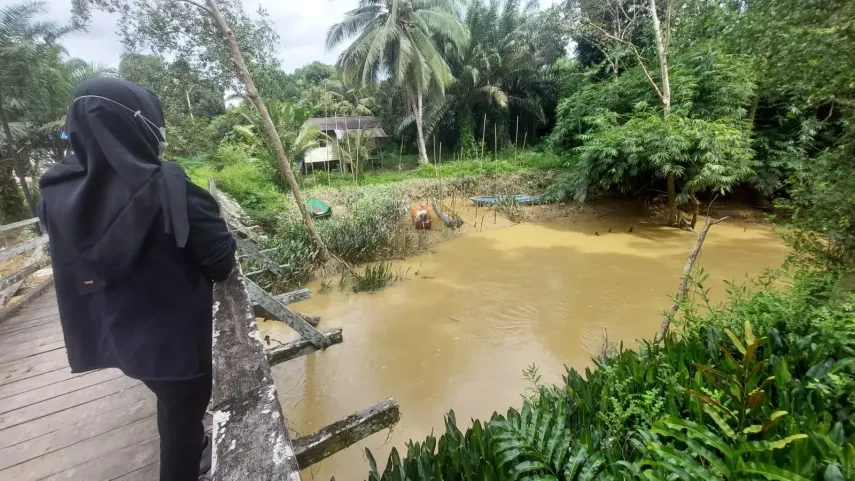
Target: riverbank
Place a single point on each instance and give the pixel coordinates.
(371, 214)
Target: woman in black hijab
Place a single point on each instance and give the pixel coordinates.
(135, 247)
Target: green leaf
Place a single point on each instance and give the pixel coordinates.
(770, 472)
(832, 473)
(735, 340)
(749, 333)
(721, 423)
(699, 432)
(710, 401)
(683, 460)
(760, 446)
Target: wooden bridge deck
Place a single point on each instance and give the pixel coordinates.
(57, 425)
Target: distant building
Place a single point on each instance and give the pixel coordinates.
(336, 128)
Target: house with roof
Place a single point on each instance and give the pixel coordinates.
(326, 154)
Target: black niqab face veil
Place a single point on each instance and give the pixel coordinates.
(103, 199)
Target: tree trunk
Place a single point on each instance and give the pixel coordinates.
(281, 158)
(673, 214)
(17, 161)
(418, 111)
(696, 206)
(11, 202)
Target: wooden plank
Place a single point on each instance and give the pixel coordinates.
(87, 450)
(279, 311)
(19, 224)
(36, 382)
(251, 440)
(76, 433)
(300, 347)
(38, 369)
(147, 473)
(27, 335)
(116, 464)
(23, 354)
(10, 328)
(293, 296)
(23, 247)
(32, 361)
(86, 412)
(45, 315)
(247, 247)
(346, 432)
(25, 299)
(31, 312)
(31, 345)
(24, 272)
(66, 401)
(58, 389)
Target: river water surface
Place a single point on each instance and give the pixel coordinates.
(476, 310)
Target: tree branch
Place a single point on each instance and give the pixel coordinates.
(637, 56)
(684, 279)
(199, 5)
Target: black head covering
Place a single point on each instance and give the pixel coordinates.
(103, 199)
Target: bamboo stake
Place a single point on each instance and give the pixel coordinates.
(483, 142)
(401, 154)
(439, 172)
(524, 139)
(517, 139)
(495, 142)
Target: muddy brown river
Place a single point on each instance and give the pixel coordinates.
(478, 309)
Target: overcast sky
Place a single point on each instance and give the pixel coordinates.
(301, 25)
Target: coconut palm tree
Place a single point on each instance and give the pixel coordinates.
(24, 43)
(402, 39)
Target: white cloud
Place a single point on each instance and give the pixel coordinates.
(301, 24)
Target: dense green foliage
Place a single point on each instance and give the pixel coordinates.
(758, 388)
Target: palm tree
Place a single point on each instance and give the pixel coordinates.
(502, 68)
(24, 43)
(401, 39)
(50, 94)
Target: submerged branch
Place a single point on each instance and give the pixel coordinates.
(684, 279)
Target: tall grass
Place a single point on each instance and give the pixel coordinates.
(374, 277)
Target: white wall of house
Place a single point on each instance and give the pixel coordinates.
(321, 154)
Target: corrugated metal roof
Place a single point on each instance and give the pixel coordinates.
(365, 122)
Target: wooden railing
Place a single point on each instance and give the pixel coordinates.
(251, 440)
(37, 258)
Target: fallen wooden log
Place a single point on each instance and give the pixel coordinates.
(684, 279)
(23, 273)
(346, 432)
(19, 224)
(23, 247)
(9, 292)
(26, 299)
(300, 347)
(250, 436)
